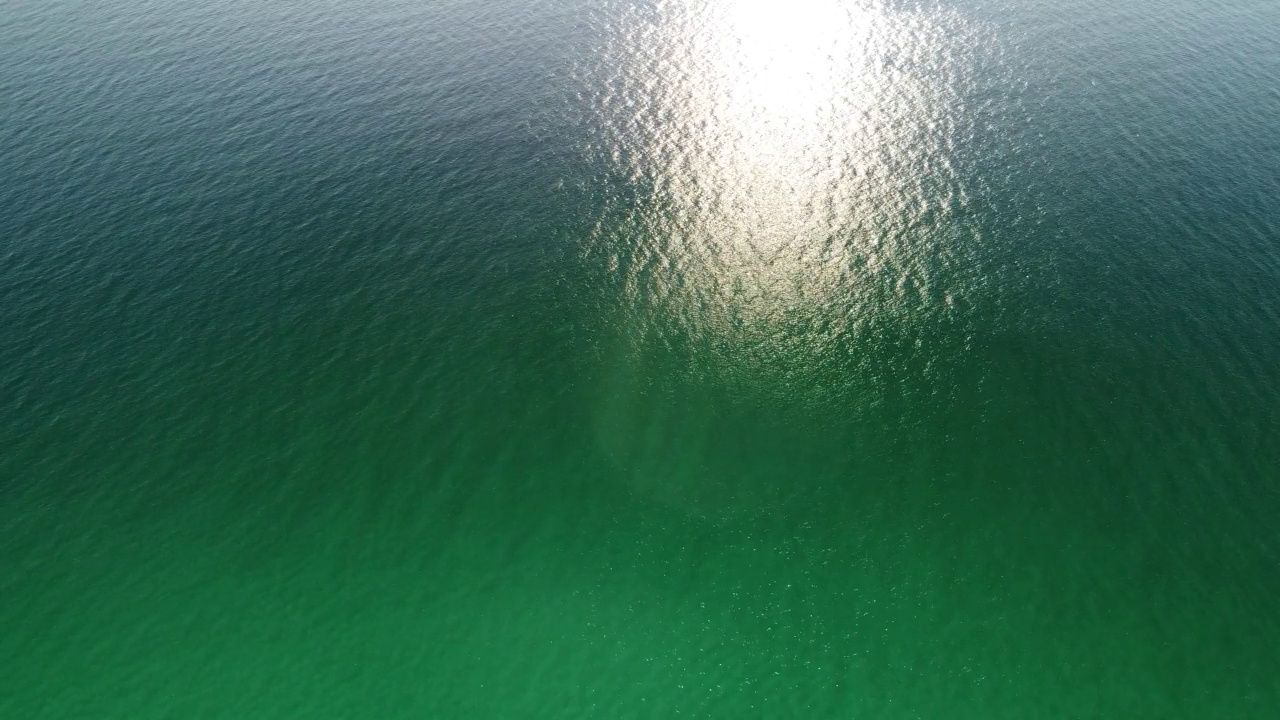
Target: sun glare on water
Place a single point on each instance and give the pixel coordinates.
(771, 141)
(784, 178)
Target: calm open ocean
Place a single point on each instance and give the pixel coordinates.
(640, 359)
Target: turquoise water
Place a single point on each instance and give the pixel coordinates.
(639, 358)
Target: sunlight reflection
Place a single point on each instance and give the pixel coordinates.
(771, 139)
(784, 176)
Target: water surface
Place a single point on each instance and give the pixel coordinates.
(626, 358)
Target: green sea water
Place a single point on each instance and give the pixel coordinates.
(640, 358)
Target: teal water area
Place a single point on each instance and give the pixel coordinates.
(639, 358)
